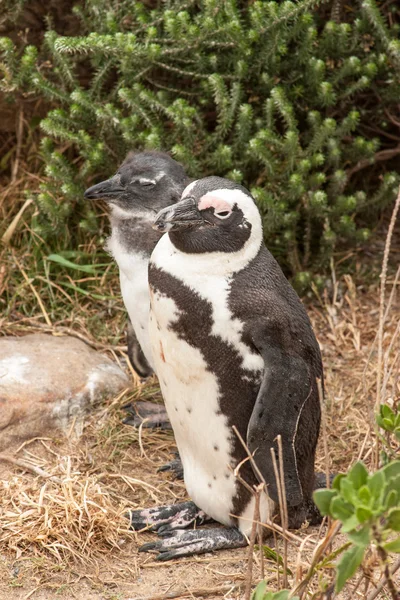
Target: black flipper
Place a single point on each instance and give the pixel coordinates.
(186, 543)
(135, 353)
(284, 391)
(167, 518)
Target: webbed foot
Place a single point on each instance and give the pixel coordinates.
(174, 465)
(186, 543)
(149, 413)
(167, 518)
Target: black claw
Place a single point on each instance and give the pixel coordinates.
(175, 466)
(164, 556)
(165, 531)
(149, 546)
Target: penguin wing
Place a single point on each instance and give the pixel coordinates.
(135, 353)
(285, 387)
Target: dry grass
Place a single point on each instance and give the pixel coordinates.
(63, 534)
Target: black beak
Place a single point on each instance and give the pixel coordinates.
(107, 190)
(179, 216)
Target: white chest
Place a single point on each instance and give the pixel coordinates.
(133, 272)
(191, 397)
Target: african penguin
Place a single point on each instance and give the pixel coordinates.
(144, 183)
(232, 346)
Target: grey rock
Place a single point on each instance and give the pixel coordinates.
(49, 383)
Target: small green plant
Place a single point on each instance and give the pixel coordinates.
(389, 420)
(261, 593)
(368, 506)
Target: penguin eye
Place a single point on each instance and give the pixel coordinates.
(223, 214)
(146, 182)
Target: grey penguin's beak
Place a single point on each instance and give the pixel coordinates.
(107, 190)
(182, 215)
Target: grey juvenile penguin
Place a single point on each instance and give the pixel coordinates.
(145, 183)
(232, 345)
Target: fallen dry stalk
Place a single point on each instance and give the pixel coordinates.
(183, 593)
(29, 467)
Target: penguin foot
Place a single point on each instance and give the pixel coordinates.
(164, 519)
(174, 465)
(186, 543)
(150, 414)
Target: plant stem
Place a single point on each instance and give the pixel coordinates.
(383, 556)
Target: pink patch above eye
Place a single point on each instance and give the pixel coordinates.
(218, 204)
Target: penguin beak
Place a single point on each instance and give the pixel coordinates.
(182, 215)
(107, 190)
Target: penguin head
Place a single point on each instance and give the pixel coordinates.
(213, 215)
(143, 184)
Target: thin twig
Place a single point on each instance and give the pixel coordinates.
(320, 549)
(251, 457)
(28, 467)
(383, 582)
(383, 277)
(35, 293)
(285, 521)
(281, 509)
(252, 541)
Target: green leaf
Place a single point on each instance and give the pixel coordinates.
(358, 475)
(322, 499)
(349, 491)
(391, 498)
(56, 258)
(348, 565)
(337, 480)
(376, 484)
(350, 524)
(259, 591)
(363, 514)
(341, 510)
(393, 546)
(393, 520)
(364, 495)
(386, 411)
(361, 537)
(392, 469)
(387, 424)
(282, 595)
(71, 286)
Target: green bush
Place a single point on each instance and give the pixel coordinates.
(293, 99)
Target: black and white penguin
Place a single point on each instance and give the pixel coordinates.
(145, 183)
(232, 346)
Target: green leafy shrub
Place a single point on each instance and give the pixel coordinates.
(368, 506)
(278, 95)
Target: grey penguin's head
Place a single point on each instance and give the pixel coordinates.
(214, 215)
(143, 184)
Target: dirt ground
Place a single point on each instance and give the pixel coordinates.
(44, 554)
